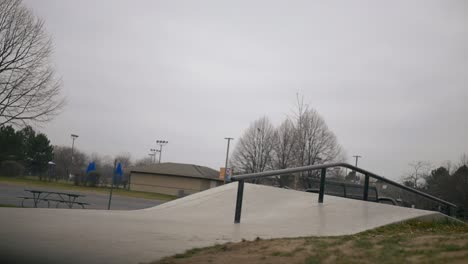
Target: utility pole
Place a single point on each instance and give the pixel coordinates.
(357, 157)
(161, 144)
(227, 158)
(73, 136)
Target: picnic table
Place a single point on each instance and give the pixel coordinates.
(69, 199)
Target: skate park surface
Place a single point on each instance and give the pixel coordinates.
(43, 235)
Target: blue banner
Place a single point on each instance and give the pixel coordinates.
(91, 167)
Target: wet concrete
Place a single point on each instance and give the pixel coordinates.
(198, 220)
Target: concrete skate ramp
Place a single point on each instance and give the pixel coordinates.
(97, 236)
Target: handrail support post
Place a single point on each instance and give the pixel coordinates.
(240, 194)
(366, 187)
(322, 184)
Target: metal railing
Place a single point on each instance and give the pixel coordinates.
(323, 168)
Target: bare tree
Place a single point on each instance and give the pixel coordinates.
(29, 90)
(299, 141)
(463, 160)
(253, 150)
(283, 151)
(316, 144)
(419, 170)
(62, 159)
(144, 161)
(125, 159)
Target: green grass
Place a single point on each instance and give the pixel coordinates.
(34, 182)
(408, 242)
(8, 205)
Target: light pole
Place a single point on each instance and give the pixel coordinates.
(161, 143)
(153, 154)
(227, 158)
(357, 157)
(73, 136)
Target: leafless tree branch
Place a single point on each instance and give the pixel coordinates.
(29, 91)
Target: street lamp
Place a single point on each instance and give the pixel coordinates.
(161, 143)
(73, 136)
(227, 158)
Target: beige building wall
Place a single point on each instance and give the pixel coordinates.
(171, 185)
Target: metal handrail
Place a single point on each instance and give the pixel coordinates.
(323, 168)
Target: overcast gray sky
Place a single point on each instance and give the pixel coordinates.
(389, 77)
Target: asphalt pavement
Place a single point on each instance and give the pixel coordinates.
(9, 194)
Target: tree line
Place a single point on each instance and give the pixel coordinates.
(301, 139)
(24, 151)
(27, 152)
(448, 182)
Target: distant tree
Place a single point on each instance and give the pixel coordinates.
(11, 144)
(419, 170)
(37, 151)
(316, 143)
(125, 159)
(92, 179)
(41, 152)
(351, 177)
(62, 159)
(459, 190)
(143, 161)
(463, 160)
(27, 148)
(254, 149)
(283, 151)
(438, 183)
(29, 91)
(302, 140)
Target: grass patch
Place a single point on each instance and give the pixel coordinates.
(69, 186)
(408, 242)
(8, 205)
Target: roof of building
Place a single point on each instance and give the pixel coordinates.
(179, 169)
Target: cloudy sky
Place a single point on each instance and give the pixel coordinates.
(389, 77)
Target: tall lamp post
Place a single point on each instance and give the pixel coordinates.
(227, 158)
(161, 143)
(73, 136)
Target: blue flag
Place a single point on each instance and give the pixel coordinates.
(118, 173)
(91, 167)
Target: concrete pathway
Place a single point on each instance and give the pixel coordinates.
(198, 220)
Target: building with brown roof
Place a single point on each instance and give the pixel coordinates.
(173, 178)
